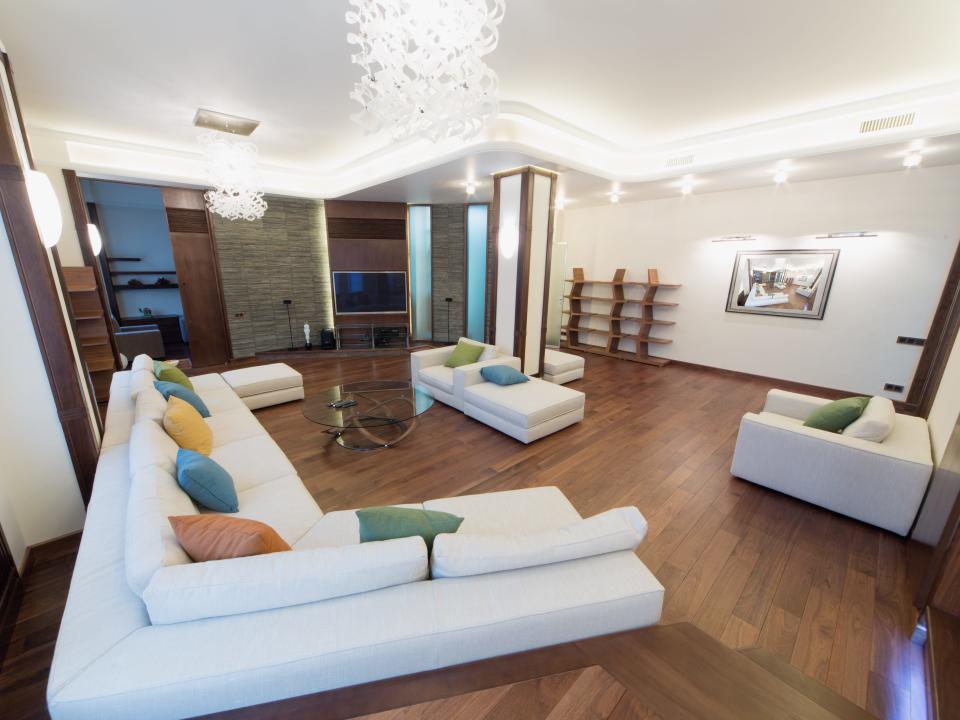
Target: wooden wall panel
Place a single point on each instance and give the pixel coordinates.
(371, 237)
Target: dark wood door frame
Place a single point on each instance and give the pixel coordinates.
(939, 343)
(43, 302)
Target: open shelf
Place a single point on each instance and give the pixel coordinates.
(171, 286)
(143, 272)
(580, 291)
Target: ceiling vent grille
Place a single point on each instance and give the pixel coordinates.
(679, 161)
(887, 123)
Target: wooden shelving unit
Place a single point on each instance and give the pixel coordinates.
(93, 335)
(581, 291)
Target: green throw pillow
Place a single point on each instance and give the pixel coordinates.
(835, 416)
(387, 523)
(169, 373)
(464, 354)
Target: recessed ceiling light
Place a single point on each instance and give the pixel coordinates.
(614, 197)
(471, 187)
(686, 185)
(735, 238)
(780, 177)
(233, 124)
(912, 159)
(846, 234)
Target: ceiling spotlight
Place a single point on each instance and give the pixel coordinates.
(96, 242)
(614, 197)
(780, 177)
(912, 159)
(471, 187)
(686, 185)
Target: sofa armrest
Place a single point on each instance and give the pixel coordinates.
(793, 405)
(429, 358)
(180, 593)
(467, 375)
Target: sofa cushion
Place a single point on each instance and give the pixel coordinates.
(150, 405)
(140, 380)
(262, 379)
(465, 353)
(875, 423)
(150, 543)
(503, 375)
(459, 555)
(525, 405)
(210, 381)
(501, 513)
(340, 527)
(184, 424)
(262, 582)
(836, 415)
(171, 389)
(233, 425)
(218, 537)
(208, 484)
(284, 504)
(149, 446)
(438, 376)
(254, 461)
(556, 362)
(142, 362)
(220, 400)
(389, 523)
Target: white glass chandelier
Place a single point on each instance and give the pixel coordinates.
(424, 73)
(233, 173)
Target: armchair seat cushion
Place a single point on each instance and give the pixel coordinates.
(438, 376)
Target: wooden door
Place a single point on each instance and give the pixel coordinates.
(198, 273)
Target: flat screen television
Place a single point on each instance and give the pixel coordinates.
(356, 293)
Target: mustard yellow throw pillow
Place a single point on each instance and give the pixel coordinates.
(184, 424)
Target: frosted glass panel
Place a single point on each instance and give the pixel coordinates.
(476, 270)
(420, 273)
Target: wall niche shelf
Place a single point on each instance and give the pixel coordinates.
(171, 286)
(580, 291)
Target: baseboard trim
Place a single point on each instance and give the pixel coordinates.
(780, 383)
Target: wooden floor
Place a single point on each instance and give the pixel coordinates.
(826, 594)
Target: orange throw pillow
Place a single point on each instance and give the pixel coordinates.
(215, 537)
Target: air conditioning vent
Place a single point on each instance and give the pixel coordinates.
(679, 161)
(887, 123)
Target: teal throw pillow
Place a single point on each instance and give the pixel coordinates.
(835, 416)
(177, 390)
(502, 375)
(387, 523)
(206, 482)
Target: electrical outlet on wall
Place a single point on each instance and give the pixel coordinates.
(891, 387)
(904, 340)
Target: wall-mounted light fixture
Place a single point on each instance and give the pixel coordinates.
(509, 238)
(846, 234)
(912, 159)
(96, 242)
(46, 209)
(734, 238)
(560, 202)
(471, 187)
(686, 185)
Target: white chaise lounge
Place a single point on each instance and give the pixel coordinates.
(146, 634)
(881, 483)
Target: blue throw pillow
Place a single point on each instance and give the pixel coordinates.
(179, 391)
(502, 375)
(206, 482)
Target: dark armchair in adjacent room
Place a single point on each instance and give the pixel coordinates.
(138, 339)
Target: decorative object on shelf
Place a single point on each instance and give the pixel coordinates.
(134, 283)
(146, 312)
(306, 335)
(232, 171)
(424, 73)
(582, 290)
(163, 282)
(786, 283)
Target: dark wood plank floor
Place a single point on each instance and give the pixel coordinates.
(828, 595)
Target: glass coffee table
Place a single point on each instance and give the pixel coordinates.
(383, 412)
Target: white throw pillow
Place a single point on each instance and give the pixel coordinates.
(875, 423)
(457, 555)
(142, 362)
(180, 593)
(489, 353)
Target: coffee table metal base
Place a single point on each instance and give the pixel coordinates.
(361, 437)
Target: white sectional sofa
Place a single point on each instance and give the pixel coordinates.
(148, 634)
(881, 483)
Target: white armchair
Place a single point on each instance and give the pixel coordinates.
(881, 483)
(427, 368)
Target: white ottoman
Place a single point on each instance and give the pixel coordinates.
(525, 411)
(264, 385)
(561, 367)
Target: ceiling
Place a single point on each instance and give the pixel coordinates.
(610, 89)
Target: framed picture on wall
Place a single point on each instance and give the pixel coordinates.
(788, 283)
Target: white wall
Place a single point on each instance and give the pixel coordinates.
(39, 497)
(884, 286)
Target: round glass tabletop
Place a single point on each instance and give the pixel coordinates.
(382, 412)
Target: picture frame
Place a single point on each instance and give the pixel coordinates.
(782, 283)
